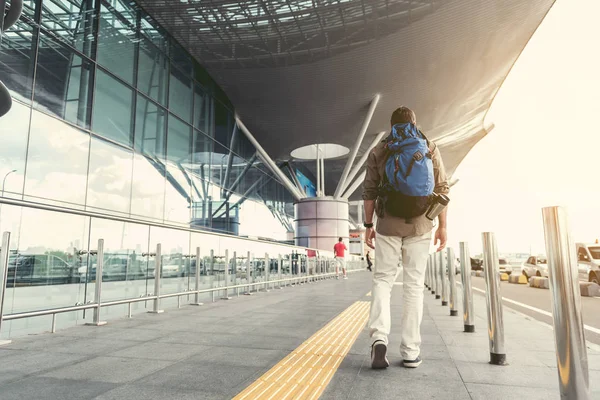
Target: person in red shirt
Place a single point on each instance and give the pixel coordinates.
(338, 251)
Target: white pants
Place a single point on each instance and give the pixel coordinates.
(391, 252)
(340, 263)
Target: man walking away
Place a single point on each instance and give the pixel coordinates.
(339, 252)
(369, 263)
(402, 173)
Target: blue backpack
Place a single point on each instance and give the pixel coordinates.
(408, 172)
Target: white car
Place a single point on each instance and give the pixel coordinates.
(504, 266)
(535, 266)
(588, 262)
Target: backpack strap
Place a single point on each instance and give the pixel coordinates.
(430, 145)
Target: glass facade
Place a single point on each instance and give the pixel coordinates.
(116, 133)
(112, 115)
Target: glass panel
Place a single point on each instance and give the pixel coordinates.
(45, 265)
(181, 59)
(62, 82)
(16, 53)
(153, 33)
(109, 177)
(223, 124)
(57, 162)
(148, 187)
(175, 276)
(199, 173)
(113, 105)
(125, 268)
(116, 41)
(203, 106)
(150, 128)
(178, 191)
(71, 21)
(153, 69)
(13, 136)
(180, 95)
(206, 243)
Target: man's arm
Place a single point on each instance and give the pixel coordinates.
(370, 188)
(441, 187)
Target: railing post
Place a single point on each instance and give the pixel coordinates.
(279, 272)
(248, 276)
(215, 282)
(198, 264)
(98, 291)
(157, 269)
(234, 271)
(226, 276)
(432, 273)
(443, 278)
(452, 279)
(465, 273)
(438, 280)
(427, 274)
(571, 353)
(494, 300)
(4, 252)
(267, 273)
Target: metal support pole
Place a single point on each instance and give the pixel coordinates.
(322, 176)
(438, 278)
(452, 279)
(226, 297)
(212, 273)
(98, 292)
(427, 273)
(494, 300)
(318, 172)
(157, 269)
(444, 279)
(248, 275)
(279, 272)
(4, 252)
(267, 268)
(432, 273)
(234, 270)
(357, 182)
(571, 352)
(465, 271)
(198, 264)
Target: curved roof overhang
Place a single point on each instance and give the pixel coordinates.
(304, 72)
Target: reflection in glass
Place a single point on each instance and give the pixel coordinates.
(223, 124)
(109, 177)
(16, 54)
(180, 94)
(175, 264)
(113, 104)
(72, 21)
(153, 69)
(13, 136)
(148, 187)
(62, 82)
(57, 162)
(116, 40)
(150, 128)
(203, 107)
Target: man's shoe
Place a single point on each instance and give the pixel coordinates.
(345, 277)
(378, 355)
(412, 363)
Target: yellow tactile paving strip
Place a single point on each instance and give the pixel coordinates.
(368, 294)
(306, 372)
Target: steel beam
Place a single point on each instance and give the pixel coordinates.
(363, 159)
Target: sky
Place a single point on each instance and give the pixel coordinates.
(545, 148)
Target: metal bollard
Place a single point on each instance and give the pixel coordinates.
(248, 276)
(438, 281)
(452, 279)
(571, 352)
(465, 271)
(197, 294)
(427, 274)
(227, 263)
(267, 272)
(444, 282)
(4, 253)
(494, 300)
(157, 270)
(98, 292)
(432, 273)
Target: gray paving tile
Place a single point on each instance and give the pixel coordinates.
(144, 392)
(87, 346)
(513, 375)
(53, 389)
(501, 392)
(108, 369)
(22, 363)
(242, 357)
(160, 351)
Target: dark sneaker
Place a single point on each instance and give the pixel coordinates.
(412, 363)
(378, 355)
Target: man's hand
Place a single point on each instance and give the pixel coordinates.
(369, 236)
(440, 236)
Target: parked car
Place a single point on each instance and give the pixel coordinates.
(39, 269)
(476, 264)
(588, 262)
(535, 266)
(504, 266)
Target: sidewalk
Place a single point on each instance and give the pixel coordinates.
(218, 350)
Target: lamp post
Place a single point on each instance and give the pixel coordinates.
(4, 180)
